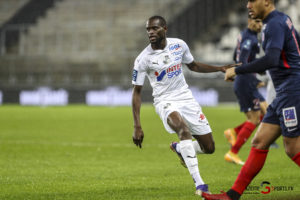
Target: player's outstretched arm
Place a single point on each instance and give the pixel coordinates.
(138, 134)
(269, 60)
(205, 68)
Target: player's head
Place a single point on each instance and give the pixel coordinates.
(254, 24)
(156, 27)
(260, 8)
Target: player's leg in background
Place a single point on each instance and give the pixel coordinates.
(253, 119)
(292, 148)
(186, 149)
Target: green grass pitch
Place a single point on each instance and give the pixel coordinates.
(80, 152)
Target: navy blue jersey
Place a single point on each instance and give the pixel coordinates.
(247, 47)
(245, 85)
(279, 33)
(246, 50)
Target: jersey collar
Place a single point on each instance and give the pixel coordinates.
(270, 16)
(152, 51)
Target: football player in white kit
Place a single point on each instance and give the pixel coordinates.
(161, 61)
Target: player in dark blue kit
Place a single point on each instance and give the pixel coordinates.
(282, 58)
(250, 100)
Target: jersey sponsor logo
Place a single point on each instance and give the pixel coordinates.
(160, 76)
(177, 58)
(290, 117)
(134, 75)
(172, 71)
(176, 53)
(174, 47)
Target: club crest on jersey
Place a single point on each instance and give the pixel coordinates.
(166, 59)
(290, 117)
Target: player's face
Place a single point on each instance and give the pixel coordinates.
(256, 8)
(255, 25)
(156, 32)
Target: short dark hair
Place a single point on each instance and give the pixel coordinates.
(162, 20)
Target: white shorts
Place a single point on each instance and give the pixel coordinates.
(190, 111)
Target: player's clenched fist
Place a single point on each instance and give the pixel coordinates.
(230, 74)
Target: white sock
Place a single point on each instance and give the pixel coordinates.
(197, 179)
(190, 158)
(197, 147)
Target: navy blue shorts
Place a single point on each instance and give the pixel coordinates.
(284, 111)
(247, 93)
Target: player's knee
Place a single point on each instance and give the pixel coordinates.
(290, 152)
(255, 121)
(184, 133)
(209, 149)
(259, 143)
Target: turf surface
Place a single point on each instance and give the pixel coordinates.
(81, 152)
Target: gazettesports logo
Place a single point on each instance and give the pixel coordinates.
(175, 70)
(266, 188)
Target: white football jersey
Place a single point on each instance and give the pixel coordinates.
(164, 70)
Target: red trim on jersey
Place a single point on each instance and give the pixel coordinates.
(296, 42)
(285, 63)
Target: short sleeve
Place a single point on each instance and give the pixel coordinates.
(187, 56)
(138, 73)
(275, 35)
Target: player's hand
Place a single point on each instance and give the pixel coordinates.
(260, 84)
(138, 136)
(230, 74)
(225, 67)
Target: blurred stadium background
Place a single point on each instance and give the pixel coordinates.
(56, 52)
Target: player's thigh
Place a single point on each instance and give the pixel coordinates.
(177, 123)
(291, 145)
(266, 134)
(206, 142)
